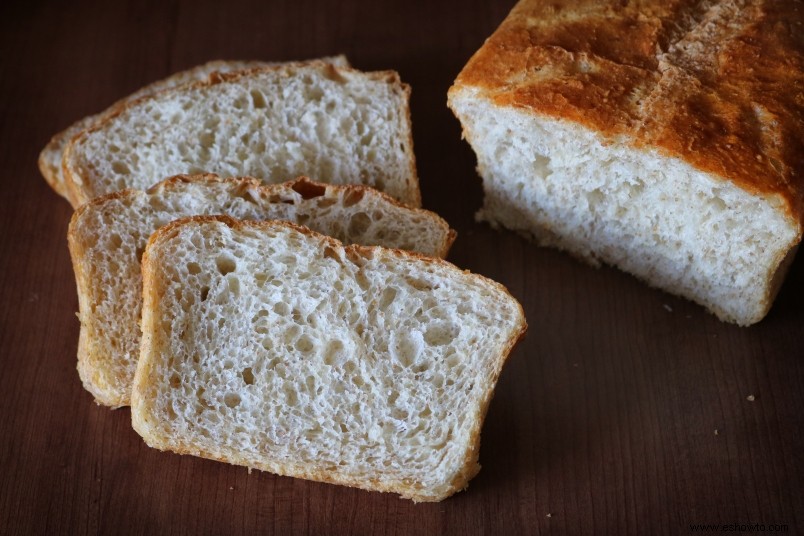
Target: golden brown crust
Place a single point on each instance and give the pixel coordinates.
(264, 189)
(719, 87)
(406, 488)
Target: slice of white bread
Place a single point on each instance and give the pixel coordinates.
(648, 136)
(332, 123)
(270, 346)
(107, 237)
(51, 156)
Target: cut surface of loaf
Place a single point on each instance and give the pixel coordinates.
(51, 156)
(333, 123)
(108, 235)
(273, 347)
(647, 136)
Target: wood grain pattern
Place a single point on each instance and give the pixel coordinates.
(624, 411)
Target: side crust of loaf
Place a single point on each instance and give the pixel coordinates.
(155, 350)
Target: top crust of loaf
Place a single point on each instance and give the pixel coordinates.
(712, 83)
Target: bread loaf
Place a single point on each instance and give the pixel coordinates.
(664, 138)
(332, 123)
(107, 237)
(51, 156)
(273, 347)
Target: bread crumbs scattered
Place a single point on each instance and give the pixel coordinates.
(717, 432)
(750, 398)
(668, 308)
(549, 515)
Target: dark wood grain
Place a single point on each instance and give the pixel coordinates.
(624, 411)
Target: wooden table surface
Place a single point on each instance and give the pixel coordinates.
(624, 410)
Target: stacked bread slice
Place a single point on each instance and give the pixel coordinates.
(265, 343)
(271, 346)
(333, 124)
(107, 237)
(50, 159)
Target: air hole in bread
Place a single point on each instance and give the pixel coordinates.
(304, 344)
(204, 293)
(175, 381)
(419, 284)
(291, 334)
(115, 240)
(232, 400)
(120, 168)
(362, 280)
(225, 264)
(309, 382)
(193, 268)
(308, 190)
(258, 99)
(359, 224)
(387, 298)
(441, 334)
(333, 352)
(352, 197)
(248, 376)
(234, 285)
(207, 139)
(281, 308)
(291, 396)
(595, 198)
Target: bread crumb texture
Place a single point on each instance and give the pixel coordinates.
(107, 238)
(272, 347)
(334, 124)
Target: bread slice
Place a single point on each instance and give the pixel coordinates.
(648, 136)
(51, 156)
(107, 237)
(333, 123)
(270, 346)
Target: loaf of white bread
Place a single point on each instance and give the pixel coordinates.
(108, 235)
(664, 138)
(329, 122)
(273, 347)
